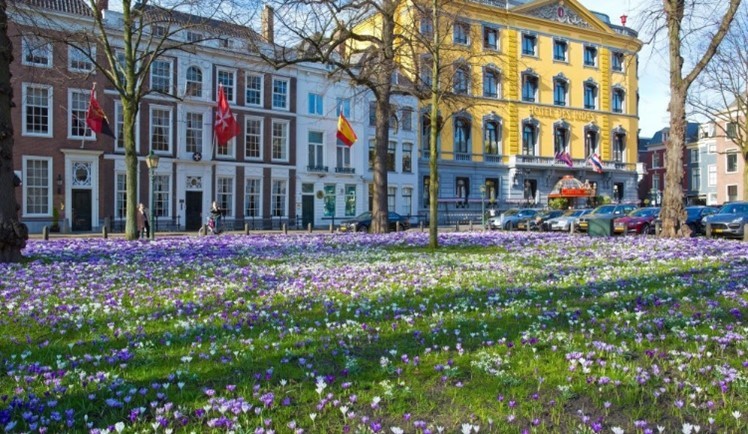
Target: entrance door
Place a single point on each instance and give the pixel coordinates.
(193, 214)
(81, 210)
(307, 210)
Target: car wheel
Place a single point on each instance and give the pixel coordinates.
(645, 230)
(364, 229)
(508, 226)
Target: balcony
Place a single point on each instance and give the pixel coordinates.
(345, 170)
(316, 169)
(463, 156)
(539, 162)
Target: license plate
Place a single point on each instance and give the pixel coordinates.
(717, 231)
(582, 225)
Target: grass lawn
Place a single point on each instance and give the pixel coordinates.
(492, 333)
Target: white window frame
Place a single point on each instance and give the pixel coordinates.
(286, 96)
(315, 104)
(257, 195)
(119, 207)
(316, 150)
(728, 154)
(119, 125)
(407, 204)
(260, 136)
(227, 205)
(200, 85)
(584, 56)
(259, 91)
(27, 50)
(228, 151)
(167, 192)
(229, 91)
(50, 111)
(275, 194)
(727, 192)
(285, 148)
(79, 56)
(25, 161)
(187, 129)
(712, 175)
(168, 78)
(81, 115)
(566, 50)
(344, 105)
(170, 134)
(342, 156)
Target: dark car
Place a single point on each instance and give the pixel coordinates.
(638, 221)
(604, 211)
(729, 221)
(695, 217)
(362, 222)
(536, 222)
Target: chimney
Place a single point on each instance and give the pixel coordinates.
(268, 26)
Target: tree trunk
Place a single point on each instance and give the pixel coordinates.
(379, 202)
(129, 114)
(745, 173)
(433, 137)
(13, 233)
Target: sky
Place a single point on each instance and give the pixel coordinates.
(653, 67)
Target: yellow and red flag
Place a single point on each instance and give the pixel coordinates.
(345, 131)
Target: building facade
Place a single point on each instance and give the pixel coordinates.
(730, 165)
(652, 183)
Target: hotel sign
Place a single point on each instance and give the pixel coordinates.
(562, 113)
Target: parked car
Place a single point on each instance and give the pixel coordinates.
(639, 221)
(610, 210)
(509, 219)
(564, 222)
(362, 222)
(695, 217)
(730, 221)
(536, 221)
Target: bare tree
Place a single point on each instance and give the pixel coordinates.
(13, 234)
(721, 92)
(123, 45)
(686, 22)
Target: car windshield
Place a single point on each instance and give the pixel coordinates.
(607, 209)
(644, 212)
(735, 208)
(579, 212)
(511, 212)
(364, 216)
(527, 213)
(693, 212)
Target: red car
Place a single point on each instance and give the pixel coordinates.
(638, 221)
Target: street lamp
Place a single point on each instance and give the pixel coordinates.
(152, 162)
(483, 205)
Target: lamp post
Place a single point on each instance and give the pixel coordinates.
(152, 162)
(483, 205)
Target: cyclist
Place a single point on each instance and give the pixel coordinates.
(216, 218)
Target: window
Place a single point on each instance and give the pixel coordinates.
(617, 60)
(462, 188)
(712, 175)
(80, 61)
(560, 138)
(316, 151)
(529, 137)
(36, 52)
(655, 160)
(732, 162)
(119, 128)
(492, 137)
(591, 138)
(350, 200)
(225, 43)
(529, 45)
(194, 82)
(159, 31)
(694, 155)
(343, 106)
(343, 158)
(161, 195)
(120, 195)
(590, 96)
(559, 50)
(695, 178)
(329, 200)
(461, 81)
(315, 104)
(37, 104)
(732, 193)
(461, 33)
(253, 90)
(461, 135)
(406, 119)
(391, 149)
(426, 191)
(560, 88)
(252, 197)
(407, 157)
(37, 186)
(280, 141)
(280, 94)
(372, 113)
(194, 37)
(732, 130)
(712, 148)
(161, 76)
(490, 38)
(619, 147)
(426, 26)
(492, 189)
(278, 198)
(225, 194)
(372, 154)
(407, 204)
(426, 73)
(391, 195)
(228, 149)
(228, 80)
(490, 83)
(193, 132)
(160, 129)
(590, 56)
(253, 138)
(77, 107)
(618, 99)
(529, 87)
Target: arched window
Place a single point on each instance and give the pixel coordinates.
(590, 95)
(619, 144)
(491, 82)
(529, 136)
(194, 82)
(560, 90)
(619, 98)
(492, 135)
(529, 86)
(462, 135)
(561, 136)
(591, 139)
(461, 81)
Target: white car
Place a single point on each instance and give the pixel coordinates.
(564, 222)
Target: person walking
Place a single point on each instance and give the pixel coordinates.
(144, 228)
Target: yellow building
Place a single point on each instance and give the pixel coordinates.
(542, 78)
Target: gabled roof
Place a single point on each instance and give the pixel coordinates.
(692, 134)
(75, 7)
(569, 12)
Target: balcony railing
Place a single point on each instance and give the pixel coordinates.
(349, 170)
(316, 169)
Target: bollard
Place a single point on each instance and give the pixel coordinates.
(246, 228)
(658, 227)
(309, 227)
(457, 227)
(527, 225)
(471, 226)
(397, 226)
(571, 228)
(421, 226)
(45, 233)
(104, 232)
(708, 230)
(331, 228)
(285, 229)
(745, 232)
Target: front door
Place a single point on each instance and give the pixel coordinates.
(81, 210)
(307, 210)
(193, 210)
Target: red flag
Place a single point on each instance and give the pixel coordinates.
(96, 118)
(225, 125)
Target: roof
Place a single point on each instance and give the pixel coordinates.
(76, 7)
(692, 134)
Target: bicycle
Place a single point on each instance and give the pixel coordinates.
(214, 225)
